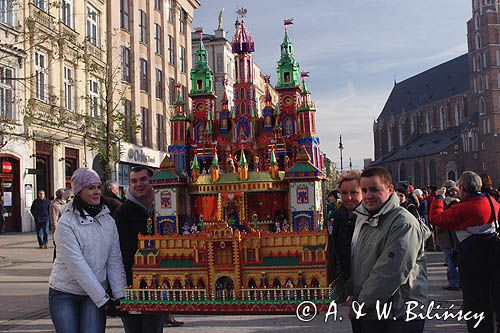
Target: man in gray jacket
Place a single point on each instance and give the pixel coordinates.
(388, 260)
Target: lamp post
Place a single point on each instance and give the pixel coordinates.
(341, 148)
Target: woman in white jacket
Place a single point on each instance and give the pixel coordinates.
(88, 278)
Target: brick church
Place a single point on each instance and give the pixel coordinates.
(446, 120)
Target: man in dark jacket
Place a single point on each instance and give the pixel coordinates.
(110, 197)
(40, 212)
(131, 219)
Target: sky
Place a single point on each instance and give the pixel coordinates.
(354, 50)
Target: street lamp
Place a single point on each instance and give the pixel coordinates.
(341, 147)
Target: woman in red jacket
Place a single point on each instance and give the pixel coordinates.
(473, 222)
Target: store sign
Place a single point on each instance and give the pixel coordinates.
(139, 156)
(6, 167)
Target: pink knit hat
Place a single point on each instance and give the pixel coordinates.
(82, 178)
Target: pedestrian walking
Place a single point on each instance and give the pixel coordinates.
(131, 220)
(56, 208)
(87, 279)
(388, 258)
(473, 222)
(110, 195)
(40, 212)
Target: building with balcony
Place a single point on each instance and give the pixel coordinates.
(13, 149)
(71, 63)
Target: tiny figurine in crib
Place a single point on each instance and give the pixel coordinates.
(194, 229)
(286, 226)
(287, 163)
(186, 229)
(256, 161)
(154, 283)
(301, 283)
(264, 283)
(289, 284)
(277, 226)
(188, 283)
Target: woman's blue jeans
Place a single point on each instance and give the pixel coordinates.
(75, 313)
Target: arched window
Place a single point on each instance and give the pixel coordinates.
(478, 41)
(402, 172)
(416, 173)
(428, 122)
(432, 172)
(442, 118)
(413, 123)
(458, 114)
(252, 284)
(482, 106)
(477, 22)
(242, 93)
(400, 130)
(389, 137)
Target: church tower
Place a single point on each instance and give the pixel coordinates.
(202, 92)
(307, 125)
(244, 88)
(288, 87)
(484, 69)
(178, 149)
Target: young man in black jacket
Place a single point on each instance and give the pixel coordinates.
(131, 219)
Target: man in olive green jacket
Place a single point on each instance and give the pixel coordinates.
(388, 260)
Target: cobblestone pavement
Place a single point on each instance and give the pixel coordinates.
(25, 269)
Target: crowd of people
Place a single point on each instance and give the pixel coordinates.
(379, 235)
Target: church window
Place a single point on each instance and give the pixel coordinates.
(428, 124)
(482, 106)
(442, 119)
(432, 172)
(498, 57)
(484, 60)
(416, 173)
(477, 22)
(400, 132)
(402, 172)
(458, 111)
(389, 138)
(242, 93)
(478, 41)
